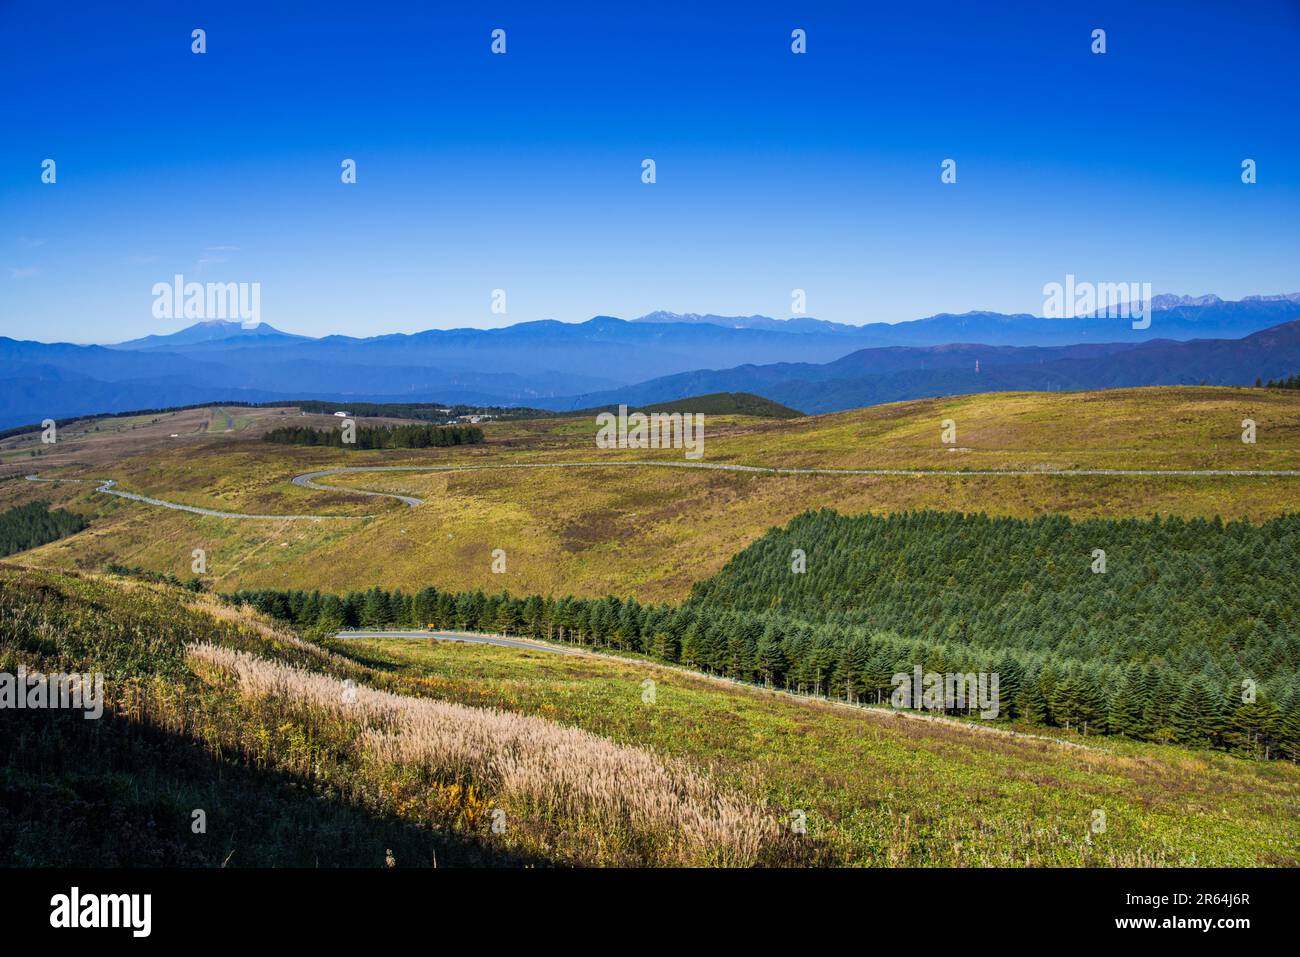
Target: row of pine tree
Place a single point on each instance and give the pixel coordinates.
(1150, 702)
(1163, 630)
(379, 436)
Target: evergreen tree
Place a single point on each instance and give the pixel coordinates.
(771, 657)
(1127, 715)
(1189, 717)
(852, 668)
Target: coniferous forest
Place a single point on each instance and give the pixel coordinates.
(34, 524)
(379, 436)
(1183, 631)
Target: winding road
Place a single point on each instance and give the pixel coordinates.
(308, 479)
(106, 486)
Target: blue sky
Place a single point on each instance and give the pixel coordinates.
(523, 171)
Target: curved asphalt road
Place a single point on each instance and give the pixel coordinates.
(307, 480)
(106, 486)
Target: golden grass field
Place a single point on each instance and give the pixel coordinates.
(646, 532)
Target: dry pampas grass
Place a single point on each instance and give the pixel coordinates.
(541, 770)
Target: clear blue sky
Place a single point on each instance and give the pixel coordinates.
(522, 171)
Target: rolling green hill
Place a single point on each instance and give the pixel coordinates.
(367, 752)
(651, 533)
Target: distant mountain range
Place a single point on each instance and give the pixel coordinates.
(873, 376)
(799, 324)
(1175, 317)
(807, 363)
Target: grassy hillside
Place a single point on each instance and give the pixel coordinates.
(1188, 633)
(399, 750)
(646, 532)
(882, 790)
(294, 756)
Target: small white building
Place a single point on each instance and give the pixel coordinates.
(342, 415)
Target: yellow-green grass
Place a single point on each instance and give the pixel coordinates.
(207, 706)
(881, 789)
(648, 532)
(1155, 428)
